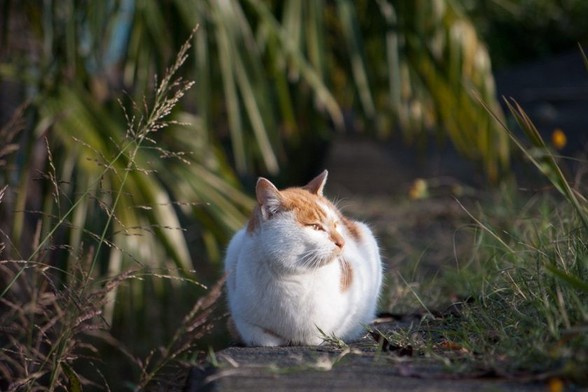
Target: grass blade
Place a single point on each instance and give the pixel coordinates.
(572, 280)
(583, 56)
(352, 35)
(543, 159)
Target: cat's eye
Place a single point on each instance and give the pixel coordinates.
(316, 226)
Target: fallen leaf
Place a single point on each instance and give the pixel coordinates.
(452, 346)
(555, 384)
(386, 346)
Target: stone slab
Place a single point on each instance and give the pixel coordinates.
(360, 366)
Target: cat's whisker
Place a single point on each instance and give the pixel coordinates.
(311, 259)
(317, 258)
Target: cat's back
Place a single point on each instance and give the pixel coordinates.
(367, 241)
(235, 250)
(365, 255)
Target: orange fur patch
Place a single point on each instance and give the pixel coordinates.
(307, 211)
(346, 274)
(303, 204)
(351, 227)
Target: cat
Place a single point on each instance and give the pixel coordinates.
(300, 270)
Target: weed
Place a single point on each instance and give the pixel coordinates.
(46, 323)
(332, 339)
(195, 325)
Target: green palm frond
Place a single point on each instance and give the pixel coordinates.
(272, 81)
(447, 59)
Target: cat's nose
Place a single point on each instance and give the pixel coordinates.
(338, 240)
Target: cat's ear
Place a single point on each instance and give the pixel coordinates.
(317, 184)
(268, 197)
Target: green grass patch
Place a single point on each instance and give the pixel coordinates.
(524, 290)
(530, 304)
(514, 305)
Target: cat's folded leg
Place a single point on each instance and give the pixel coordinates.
(254, 335)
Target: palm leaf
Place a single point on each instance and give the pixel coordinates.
(448, 59)
(352, 35)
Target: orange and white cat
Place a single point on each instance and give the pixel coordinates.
(298, 266)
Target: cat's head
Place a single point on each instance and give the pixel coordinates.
(298, 227)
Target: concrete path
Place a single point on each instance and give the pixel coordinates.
(360, 366)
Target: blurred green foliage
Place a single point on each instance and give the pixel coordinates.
(274, 82)
(522, 30)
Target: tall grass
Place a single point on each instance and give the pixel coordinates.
(529, 313)
(54, 335)
(51, 314)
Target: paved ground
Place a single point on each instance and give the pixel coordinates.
(358, 367)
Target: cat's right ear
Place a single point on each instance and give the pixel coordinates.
(268, 197)
(317, 184)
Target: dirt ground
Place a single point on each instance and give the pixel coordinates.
(415, 206)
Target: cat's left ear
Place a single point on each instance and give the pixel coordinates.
(317, 184)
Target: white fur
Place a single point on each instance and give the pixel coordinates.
(284, 282)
